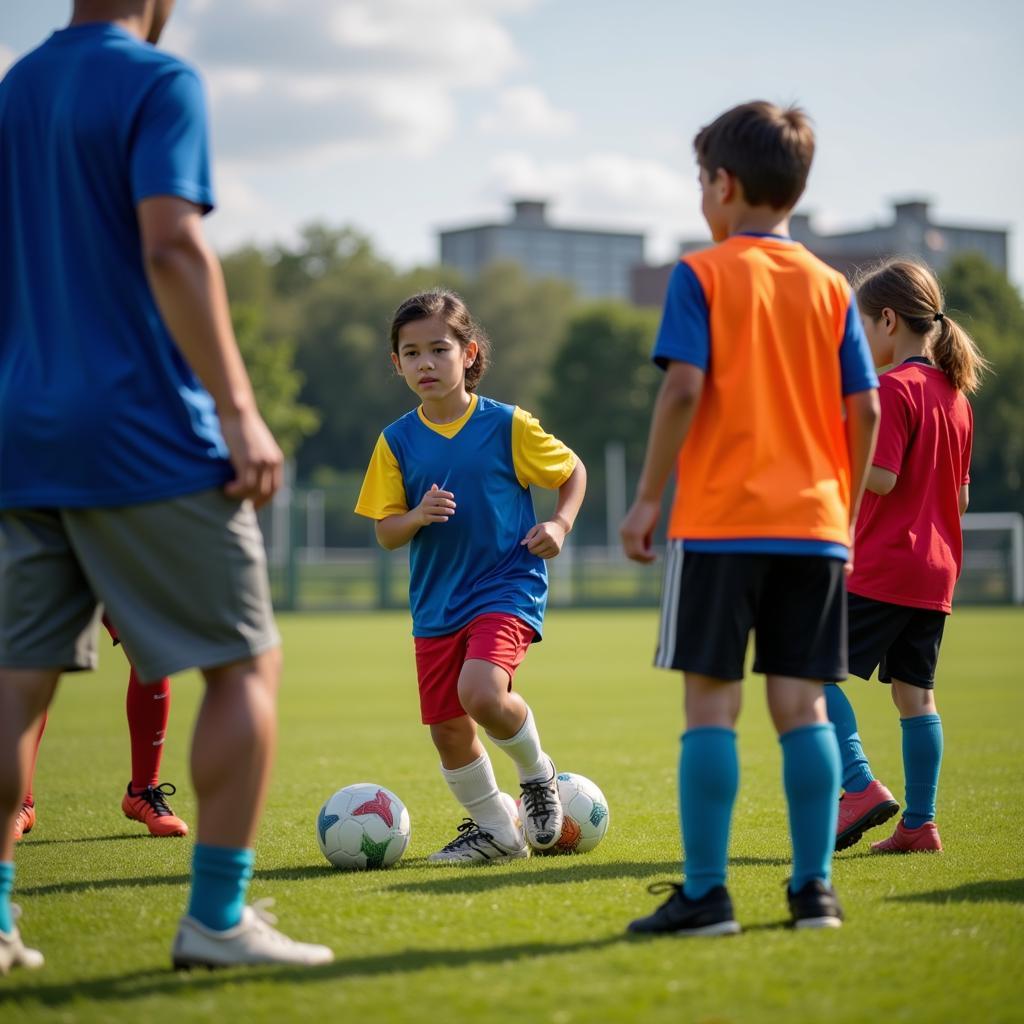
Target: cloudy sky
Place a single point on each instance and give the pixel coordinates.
(402, 116)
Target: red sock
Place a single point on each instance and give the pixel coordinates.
(148, 709)
(29, 798)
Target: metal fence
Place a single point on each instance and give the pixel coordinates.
(324, 558)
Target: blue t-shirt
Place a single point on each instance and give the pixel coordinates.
(97, 405)
(474, 563)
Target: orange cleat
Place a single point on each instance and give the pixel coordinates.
(24, 820)
(924, 839)
(149, 806)
(860, 811)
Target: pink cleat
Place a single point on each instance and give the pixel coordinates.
(924, 839)
(860, 811)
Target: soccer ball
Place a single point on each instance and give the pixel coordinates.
(586, 814)
(363, 826)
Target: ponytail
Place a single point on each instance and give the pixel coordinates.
(912, 291)
(953, 351)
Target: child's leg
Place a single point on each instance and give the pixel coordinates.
(25, 819)
(708, 780)
(856, 772)
(810, 771)
(24, 697)
(496, 646)
(468, 771)
(922, 750)
(30, 798)
(148, 708)
(484, 693)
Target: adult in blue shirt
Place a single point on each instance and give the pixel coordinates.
(132, 453)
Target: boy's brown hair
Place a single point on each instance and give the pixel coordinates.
(769, 149)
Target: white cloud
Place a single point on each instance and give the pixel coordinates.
(244, 214)
(7, 56)
(607, 189)
(525, 110)
(293, 118)
(299, 77)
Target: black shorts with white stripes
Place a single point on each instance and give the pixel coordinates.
(795, 604)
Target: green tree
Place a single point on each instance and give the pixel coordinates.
(988, 306)
(526, 319)
(601, 388)
(602, 382)
(275, 380)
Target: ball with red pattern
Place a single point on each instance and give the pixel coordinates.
(363, 826)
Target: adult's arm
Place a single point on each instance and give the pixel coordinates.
(188, 285)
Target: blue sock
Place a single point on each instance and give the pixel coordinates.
(709, 775)
(810, 775)
(6, 884)
(856, 770)
(220, 877)
(922, 758)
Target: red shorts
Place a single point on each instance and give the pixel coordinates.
(497, 637)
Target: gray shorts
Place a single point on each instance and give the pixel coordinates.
(184, 582)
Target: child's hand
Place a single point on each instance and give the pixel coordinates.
(637, 529)
(437, 506)
(545, 540)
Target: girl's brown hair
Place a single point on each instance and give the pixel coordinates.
(912, 291)
(450, 307)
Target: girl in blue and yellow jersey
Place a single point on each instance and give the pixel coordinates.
(453, 478)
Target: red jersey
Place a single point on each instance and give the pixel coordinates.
(908, 547)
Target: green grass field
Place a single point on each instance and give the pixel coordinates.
(929, 938)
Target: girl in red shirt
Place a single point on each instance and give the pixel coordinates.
(908, 546)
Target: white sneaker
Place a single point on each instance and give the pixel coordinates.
(473, 845)
(542, 811)
(14, 952)
(252, 941)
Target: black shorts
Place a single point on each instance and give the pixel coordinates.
(901, 642)
(795, 604)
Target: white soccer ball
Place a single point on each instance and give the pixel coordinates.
(363, 826)
(586, 814)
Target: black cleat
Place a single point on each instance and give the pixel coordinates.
(814, 906)
(710, 915)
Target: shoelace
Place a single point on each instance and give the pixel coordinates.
(660, 888)
(470, 835)
(538, 799)
(156, 796)
(265, 922)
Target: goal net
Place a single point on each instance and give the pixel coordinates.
(993, 569)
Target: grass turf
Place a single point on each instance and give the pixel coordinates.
(928, 937)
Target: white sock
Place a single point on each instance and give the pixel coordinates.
(476, 788)
(524, 748)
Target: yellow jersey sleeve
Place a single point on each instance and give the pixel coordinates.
(383, 490)
(539, 458)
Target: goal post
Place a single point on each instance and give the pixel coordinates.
(993, 568)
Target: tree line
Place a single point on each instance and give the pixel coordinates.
(312, 321)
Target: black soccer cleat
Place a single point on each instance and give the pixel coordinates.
(814, 906)
(710, 915)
